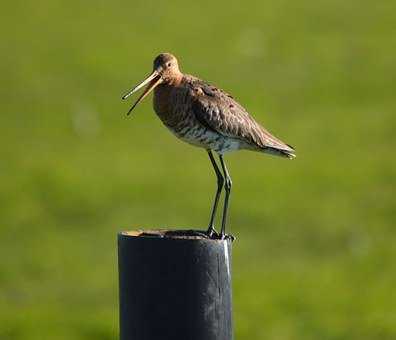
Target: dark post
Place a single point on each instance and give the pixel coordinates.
(174, 285)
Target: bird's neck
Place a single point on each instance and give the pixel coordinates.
(162, 99)
(176, 79)
(162, 91)
(165, 96)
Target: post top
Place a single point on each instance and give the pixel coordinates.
(185, 234)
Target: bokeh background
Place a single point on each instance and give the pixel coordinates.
(315, 251)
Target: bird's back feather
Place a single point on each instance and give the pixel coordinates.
(218, 111)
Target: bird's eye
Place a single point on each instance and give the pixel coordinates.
(168, 64)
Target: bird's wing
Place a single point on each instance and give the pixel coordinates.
(218, 111)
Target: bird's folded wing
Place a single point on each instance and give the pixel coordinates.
(219, 112)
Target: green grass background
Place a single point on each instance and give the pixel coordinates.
(315, 252)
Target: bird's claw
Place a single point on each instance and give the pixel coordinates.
(212, 233)
(227, 237)
(216, 236)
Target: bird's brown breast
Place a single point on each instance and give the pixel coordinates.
(161, 100)
(171, 104)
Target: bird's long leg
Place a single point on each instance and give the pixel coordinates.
(220, 182)
(228, 185)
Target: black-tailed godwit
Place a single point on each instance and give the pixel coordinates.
(206, 116)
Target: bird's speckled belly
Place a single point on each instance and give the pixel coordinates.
(204, 138)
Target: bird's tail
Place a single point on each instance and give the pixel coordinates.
(288, 152)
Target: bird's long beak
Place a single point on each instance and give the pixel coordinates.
(152, 80)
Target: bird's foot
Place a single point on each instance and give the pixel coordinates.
(212, 233)
(227, 237)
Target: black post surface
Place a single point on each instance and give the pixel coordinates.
(174, 286)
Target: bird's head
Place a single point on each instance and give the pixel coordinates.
(167, 67)
(165, 71)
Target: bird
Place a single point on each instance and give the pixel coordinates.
(205, 116)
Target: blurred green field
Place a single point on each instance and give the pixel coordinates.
(315, 250)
